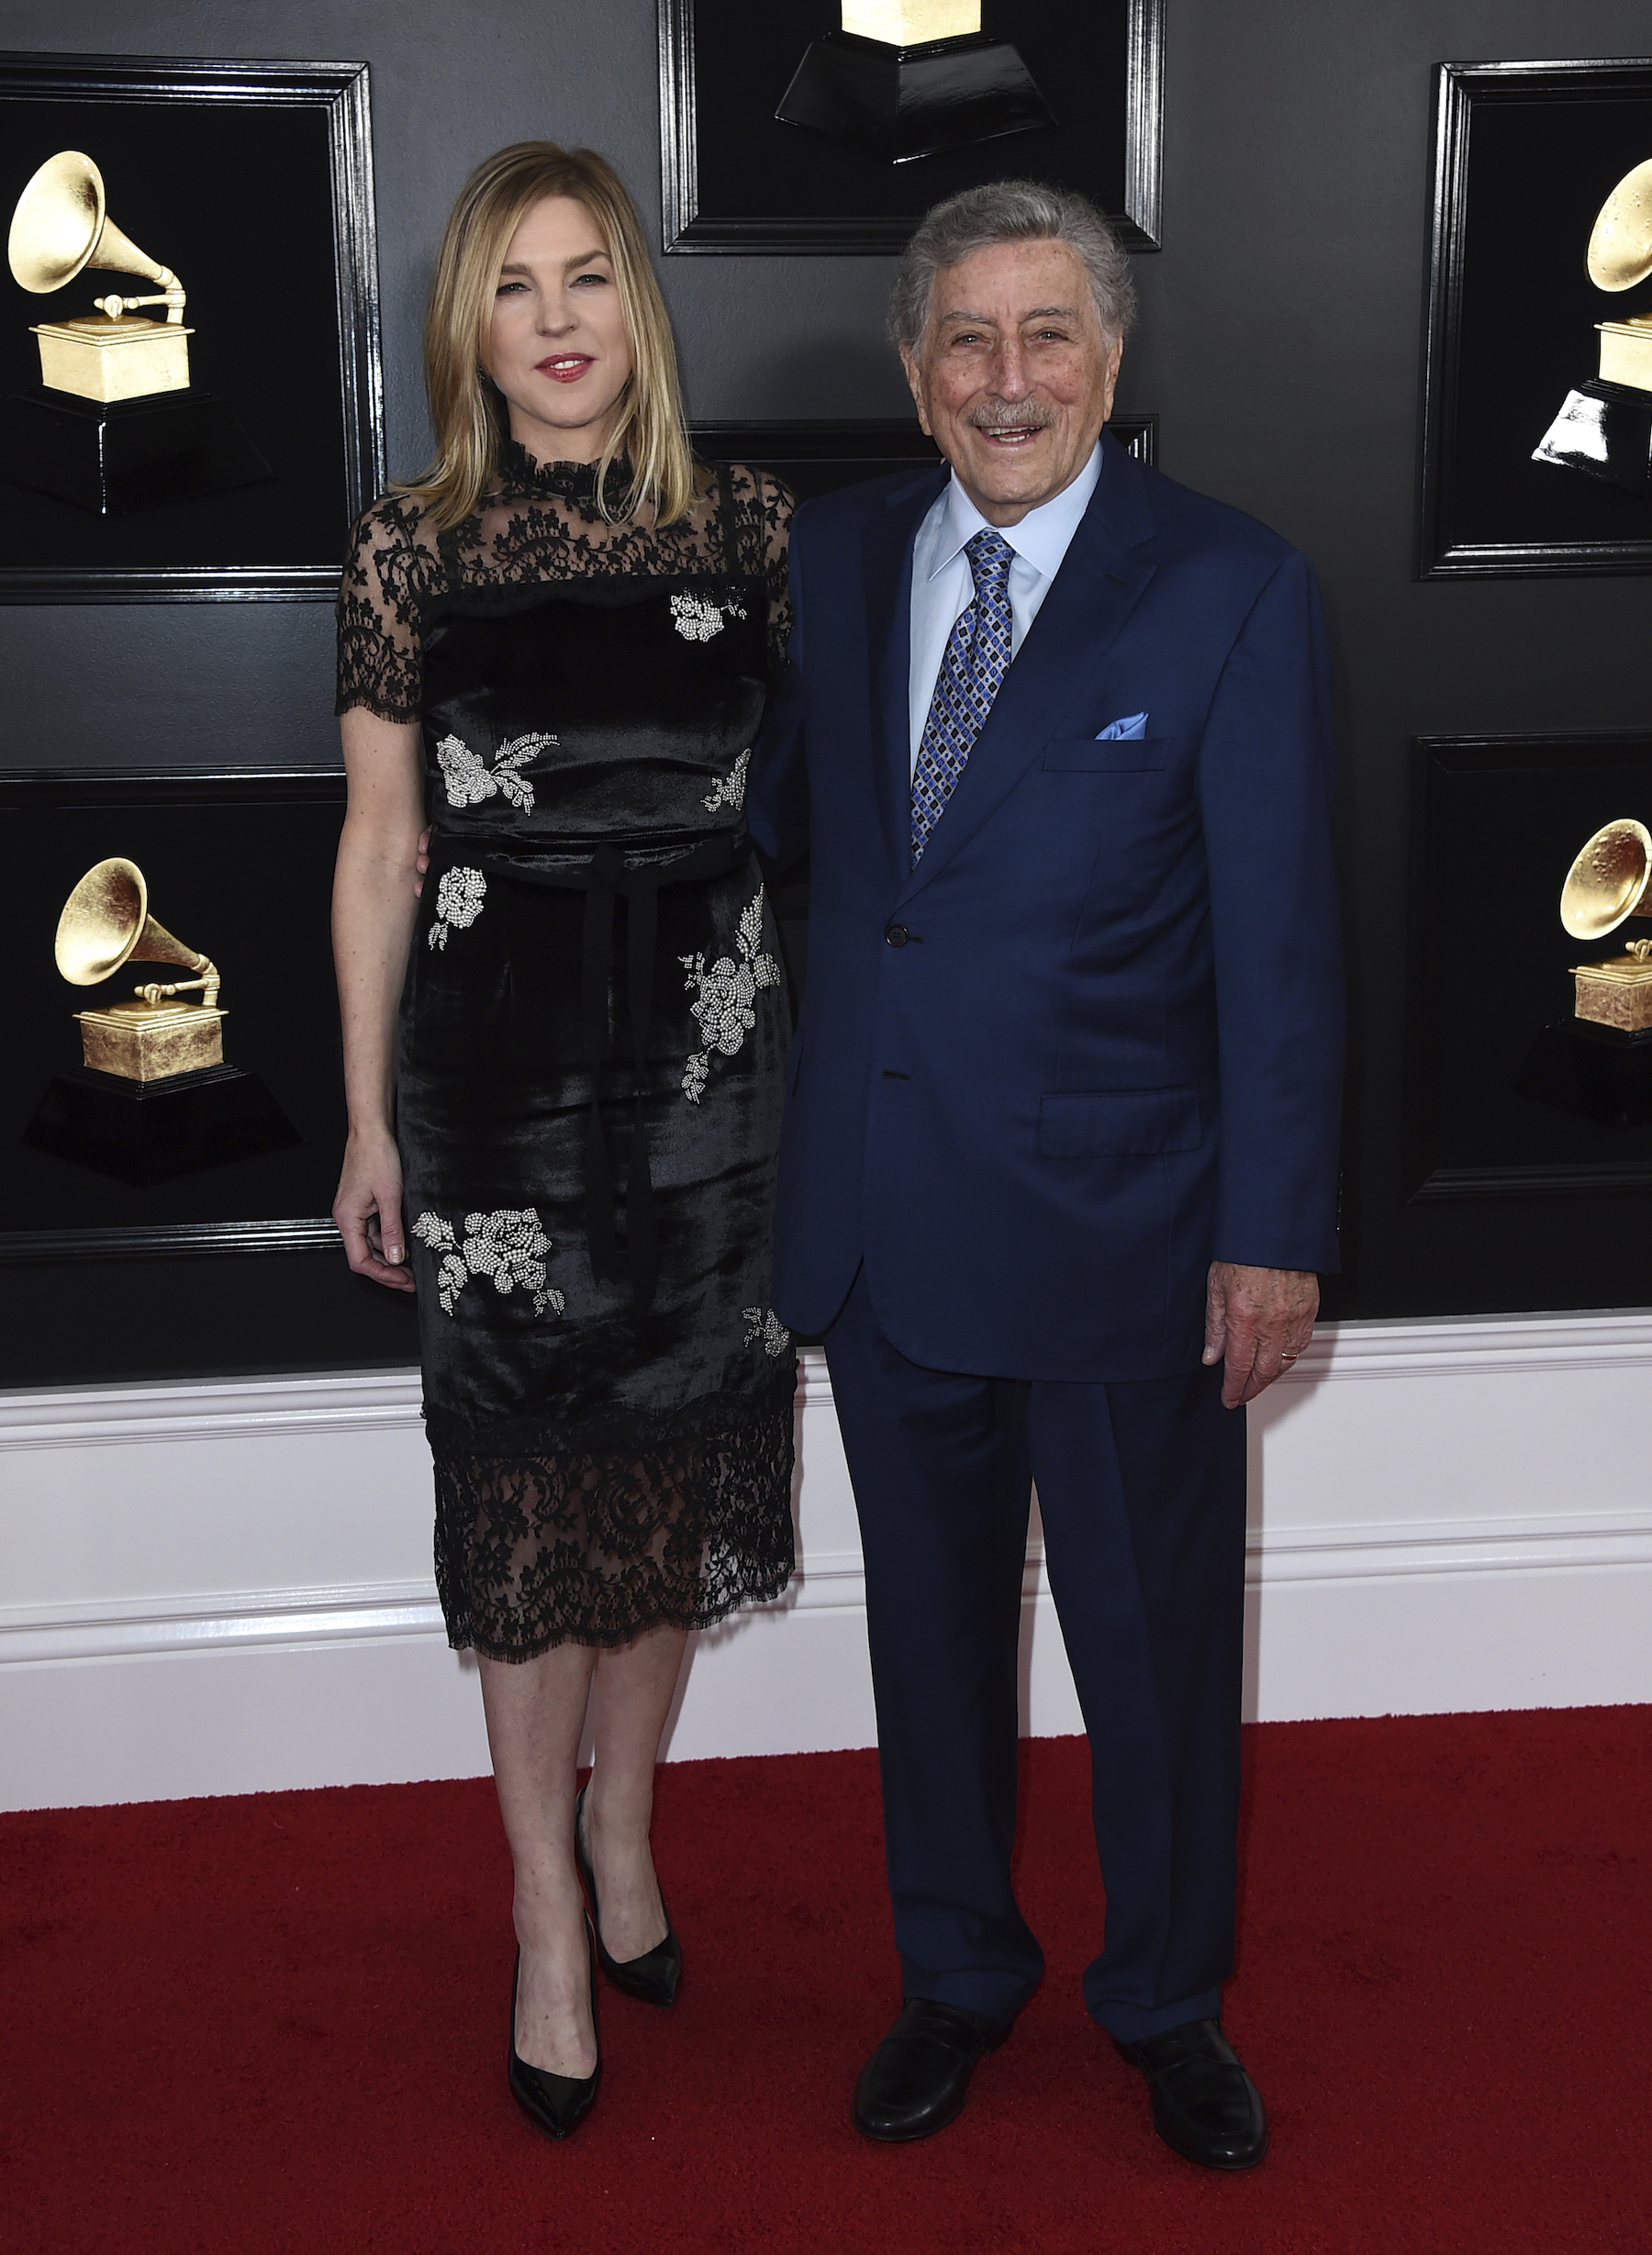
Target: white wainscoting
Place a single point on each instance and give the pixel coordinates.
(210, 1589)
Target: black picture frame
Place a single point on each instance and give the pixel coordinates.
(1526, 153)
(255, 180)
(1496, 824)
(737, 181)
(238, 861)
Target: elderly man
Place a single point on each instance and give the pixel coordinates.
(1060, 1158)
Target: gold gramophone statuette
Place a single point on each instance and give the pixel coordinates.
(1605, 426)
(105, 922)
(62, 226)
(1607, 885)
(1620, 255)
(910, 23)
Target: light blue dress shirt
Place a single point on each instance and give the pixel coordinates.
(943, 584)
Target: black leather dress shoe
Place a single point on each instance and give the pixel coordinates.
(653, 1978)
(554, 2104)
(1204, 2105)
(917, 2080)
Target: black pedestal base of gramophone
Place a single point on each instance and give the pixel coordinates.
(1604, 431)
(1597, 1072)
(148, 1131)
(113, 456)
(906, 102)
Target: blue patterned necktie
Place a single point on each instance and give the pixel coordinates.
(972, 671)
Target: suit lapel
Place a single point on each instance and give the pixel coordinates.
(889, 536)
(1100, 581)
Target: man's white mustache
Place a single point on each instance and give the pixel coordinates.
(1027, 419)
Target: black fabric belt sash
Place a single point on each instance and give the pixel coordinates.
(604, 878)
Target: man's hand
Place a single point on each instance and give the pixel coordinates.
(422, 863)
(1259, 1320)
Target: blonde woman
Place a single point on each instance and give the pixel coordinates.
(563, 1061)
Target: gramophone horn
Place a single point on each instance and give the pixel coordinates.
(105, 920)
(1608, 880)
(1620, 249)
(61, 225)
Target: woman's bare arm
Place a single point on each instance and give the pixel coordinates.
(372, 912)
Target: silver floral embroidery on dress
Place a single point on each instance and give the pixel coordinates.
(468, 779)
(458, 903)
(730, 790)
(765, 1324)
(722, 1004)
(510, 1247)
(699, 617)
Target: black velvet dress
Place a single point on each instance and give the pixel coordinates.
(593, 1036)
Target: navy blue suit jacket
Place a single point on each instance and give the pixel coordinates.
(1109, 1050)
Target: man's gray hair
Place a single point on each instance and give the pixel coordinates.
(1011, 211)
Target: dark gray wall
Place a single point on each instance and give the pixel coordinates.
(1279, 345)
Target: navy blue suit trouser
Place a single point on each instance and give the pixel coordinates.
(1141, 1487)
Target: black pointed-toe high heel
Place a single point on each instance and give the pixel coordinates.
(653, 1978)
(556, 2105)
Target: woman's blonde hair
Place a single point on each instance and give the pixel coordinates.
(466, 410)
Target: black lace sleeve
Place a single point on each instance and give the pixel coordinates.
(778, 506)
(764, 506)
(380, 665)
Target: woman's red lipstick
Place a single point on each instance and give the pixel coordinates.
(564, 368)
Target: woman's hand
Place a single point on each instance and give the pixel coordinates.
(368, 1210)
(422, 862)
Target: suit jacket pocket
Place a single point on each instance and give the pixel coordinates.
(1082, 1124)
(1106, 755)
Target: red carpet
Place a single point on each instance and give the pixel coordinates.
(280, 2022)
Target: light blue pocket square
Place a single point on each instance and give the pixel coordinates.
(1117, 731)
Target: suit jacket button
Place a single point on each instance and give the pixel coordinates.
(896, 934)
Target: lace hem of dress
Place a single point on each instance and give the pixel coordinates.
(598, 1546)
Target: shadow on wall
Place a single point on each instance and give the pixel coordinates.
(1262, 1418)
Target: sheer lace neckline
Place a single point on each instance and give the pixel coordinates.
(521, 477)
(541, 524)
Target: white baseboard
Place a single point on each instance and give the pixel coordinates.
(225, 1588)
